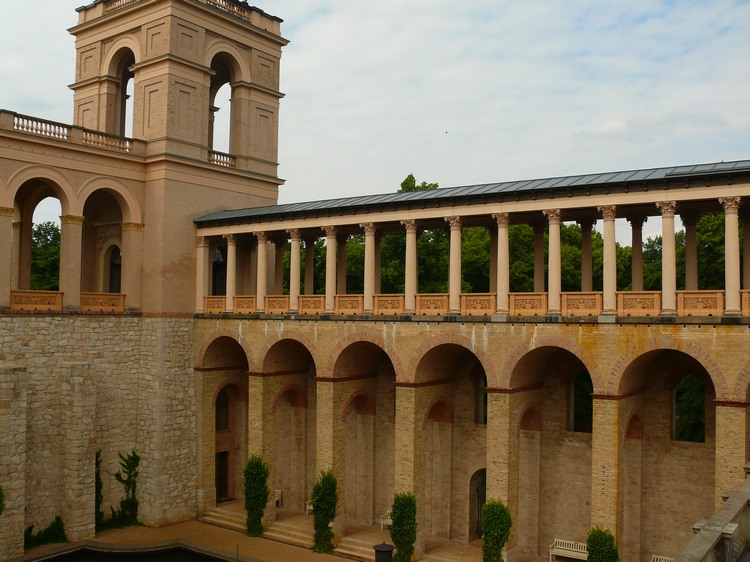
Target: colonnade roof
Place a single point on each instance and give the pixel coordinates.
(585, 184)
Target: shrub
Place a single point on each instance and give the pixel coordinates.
(127, 513)
(55, 533)
(98, 495)
(324, 500)
(601, 546)
(2, 500)
(256, 494)
(496, 524)
(404, 527)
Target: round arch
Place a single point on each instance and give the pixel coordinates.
(233, 56)
(129, 205)
(444, 351)
(52, 179)
(224, 352)
(271, 352)
(206, 342)
(362, 402)
(116, 52)
(368, 338)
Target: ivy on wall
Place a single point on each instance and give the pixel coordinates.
(496, 525)
(256, 493)
(55, 533)
(324, 500)
(127, 512)
(404, 527)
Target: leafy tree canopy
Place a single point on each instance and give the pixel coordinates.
(45, 257)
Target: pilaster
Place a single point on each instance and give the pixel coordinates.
(605, 449)
(70, 260)
(6, 253)
(730, 447)
(132, 271)
(329, 437)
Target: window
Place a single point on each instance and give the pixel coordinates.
(581, 404)
(689, 410)
(222, 411)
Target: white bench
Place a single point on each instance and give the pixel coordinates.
(308, 507)
(277, 497)
(385, 520)
(569, 549)
(657, 558)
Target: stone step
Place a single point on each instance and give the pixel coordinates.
(354, 549)
(289, 534)
(227, 520)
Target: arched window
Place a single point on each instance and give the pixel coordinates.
(115, 270)
(581, 404)
(689, 410)
(220, 105)
(222, 411)
(123, 117)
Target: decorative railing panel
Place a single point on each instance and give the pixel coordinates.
(110, 142)
(581, 304)
(230, 7)
(36, 300)
(41, 127)
(350, 304)
(102, 302)
(312, 304)
(638, 303)
(214, 305)
(113, 5)
(388, 304)
(528, 304)
(700, 303)
(434, 304)
(245, 304)
(222, 159)
(277, 304)
(478, 304)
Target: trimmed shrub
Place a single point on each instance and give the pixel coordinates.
(496, 525)
(601, 546)
(98, 494)
(404, 527)
(324, 500)
(55, 533)
(2, 500)
(256, 490)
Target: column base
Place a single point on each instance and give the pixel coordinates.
(669, 312)
(500, 316)
(732, 312)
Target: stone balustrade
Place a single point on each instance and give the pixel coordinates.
(52, 301)
(102, 302)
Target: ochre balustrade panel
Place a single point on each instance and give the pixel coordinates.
(309, 304)
(434, 304)
(389, 304)
(277, 304)
(245, 304)
(102, 302)
(581, 304)
(350, 304)
(700, 303)
(528, 304)
(214, 305)
(36, 300)
(745, 294)
(638, 303)
(478, 304)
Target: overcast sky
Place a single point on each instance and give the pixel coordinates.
(463, 92)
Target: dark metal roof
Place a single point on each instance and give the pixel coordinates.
(469, 192)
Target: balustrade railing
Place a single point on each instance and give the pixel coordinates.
(312, 304)
(231, 7)
(700, 303)
(245, 304)
(432, 304)
(222, 159)
(41, 127)
(102, 302)
(388, 304)
(638, 303)
(277, 304)
(113, 5)
(581, 304)
(110, 142)
(528, 304)
(39, 301)
(214, 304)
(350, 304)
(478, 304)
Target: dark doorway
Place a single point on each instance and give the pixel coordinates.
(478, 497)
(115, 270)
(222, 476)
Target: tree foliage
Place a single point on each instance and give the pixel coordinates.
(45, 257)
(496, 525)
(255, 478)
(54, 533)
(690, 410)
(601, 546)
(324, 500)
(404, 527)
(2, 500)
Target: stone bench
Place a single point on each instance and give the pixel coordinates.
(569, 549)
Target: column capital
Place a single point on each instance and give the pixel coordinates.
(201, 242)
(6, 211)
(294, 234)
(71, 219)
(230, 238)
(730, 204)
(609, 212)
(554, 216)
(329, 230)
(262, 236)
(132, 227)
(368, 227)
(410, 225)
(454, 222)
(667, 208)
(502, 219)
(636, 221)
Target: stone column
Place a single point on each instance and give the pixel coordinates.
(538, 257)
(23, 270)
(636, 279)
(369, 229)
(309, 265)
(278, 265)
(71, 248)
(378, 257)
(609, 301)
(15, 259)
(502, 450)
(746, 250)
(330, 231)
(294, 270)
(231, 272)
(555, 282)
(6, 253)
(454, 266)
(261, 437)
(328, 439)
(261, 272)
(691, 251)
(132, 265)
(410, 281)
(13, 412)
(732, 304)
(409, 445)
(341, 263)
(587, 280)
(730, 450)
(493, 260)
(605, 447)
(668, 266)
(79, 446)
(503, 264)
(201, 272)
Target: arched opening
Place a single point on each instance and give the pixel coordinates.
(669, 443)
(478, 497)
(113, 259)
(220, 104)
(581, 403)
(45, 246)
(219, 270)
(101, 263)
(121, 123)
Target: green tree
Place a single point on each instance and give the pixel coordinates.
(410, 184)
(45, 257)
(324, 500)
(2, 500)
(690, 410)
(404, 527)
(601, 546)
(255, 479)
(496, 525)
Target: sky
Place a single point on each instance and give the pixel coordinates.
(463, 92)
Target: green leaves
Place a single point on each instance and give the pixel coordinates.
(496, 525)
(601, 546)
(45, 257)
(404, 527)
(2, 500)
(255, 478)
(324, 500)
